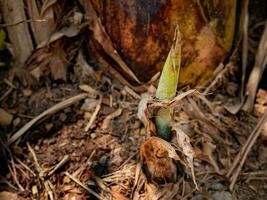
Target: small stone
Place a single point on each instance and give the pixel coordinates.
(197, 197)
(66, 179)
(222, 195)
(16, 121)
(5, 117)
(93, 135)
(63, 117)
(27, 92)
(89, 105)
(49, 126)
(87, 115)
(218, 186)
(103, 160)
(34, 190)
(232, 88)
(77, 18)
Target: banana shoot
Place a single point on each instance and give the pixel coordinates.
(167, 87)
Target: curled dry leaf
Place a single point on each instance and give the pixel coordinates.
(55, 54)
(58, 63)
(101, 36)
(182, 142)
(208, 150)
(82, 69)
(148, 108)
(142, 106)
(159, 160)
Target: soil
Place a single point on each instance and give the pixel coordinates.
(105, 158)
(90, 149)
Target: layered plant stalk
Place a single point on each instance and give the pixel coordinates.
(167, 87)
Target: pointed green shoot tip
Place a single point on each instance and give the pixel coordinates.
(167, 87)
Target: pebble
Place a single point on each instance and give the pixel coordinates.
(93, 135)
(222, 195)
(5, 117)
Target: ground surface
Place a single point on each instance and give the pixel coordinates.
(89, 149)
(105, 158)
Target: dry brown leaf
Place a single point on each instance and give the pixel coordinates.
(56, 56)
(167, 192)
(158, 159)
(182, 142)
(104, 40)
(58, 63)
(82, 69)
(142, 106)
(9, 196)
(69, 31)
(208, 150)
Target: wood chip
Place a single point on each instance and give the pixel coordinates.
(5, 117)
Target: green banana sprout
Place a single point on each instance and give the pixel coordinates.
(167, 87)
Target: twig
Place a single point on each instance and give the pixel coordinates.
(244, 49)
(127, 160)
(26, 167)
(4, 180)
(21, 115)
(23, 21)
(256, 173)
(10, 84)
(242, 155)
(50, 111)
(257, 71)
(14, 175)
(48, 187)
(59, 165)
(93, 117)
(6, 94)
(41, 174)
(218, 74)
(37, 166)
(132, 92)
(82, 185)
(100, 183)
(85, 165)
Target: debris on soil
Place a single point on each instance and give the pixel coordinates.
(84, 135)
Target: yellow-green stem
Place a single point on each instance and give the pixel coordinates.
(167, 87)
